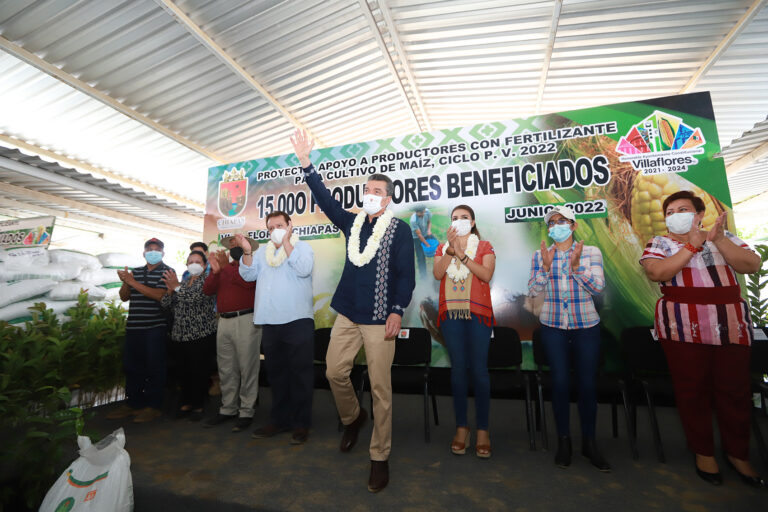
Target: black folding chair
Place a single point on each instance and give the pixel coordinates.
(505, 359)
(410, 370)
(605, 383)
(647, 366)
(758, 367)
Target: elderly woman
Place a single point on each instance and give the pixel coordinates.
(464, 266)
(570, 273)
(705, 329)
(193, 334)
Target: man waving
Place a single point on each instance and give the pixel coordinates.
(375, 288)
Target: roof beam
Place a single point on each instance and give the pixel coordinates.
(368, 14)
(745, 161)
(46, 175)
(731, 36)
(146, 224)
(557, 9)
(99, 172)
(92, 223)
(45, 66)
(392, 29)
(204, 39)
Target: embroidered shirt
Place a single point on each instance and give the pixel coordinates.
(568, 302)
(143, 312)
(283, 293)
(710, 324)
(193, 315)
(384, 285)
(480, 293)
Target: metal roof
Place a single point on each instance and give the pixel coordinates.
(169, 88)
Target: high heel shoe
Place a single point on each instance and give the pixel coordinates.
(711, 478)
(752, 481)
(483, 451)
(458, 448)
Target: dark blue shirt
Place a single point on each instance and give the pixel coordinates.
(384, 285)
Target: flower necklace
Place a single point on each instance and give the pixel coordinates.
(277, 260)
(456, 270)
(358, 258)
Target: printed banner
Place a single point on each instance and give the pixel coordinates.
(30, 232)
(613, 165)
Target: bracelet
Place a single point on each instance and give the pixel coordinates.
(693, 249)
(464, 259)
(247, 253)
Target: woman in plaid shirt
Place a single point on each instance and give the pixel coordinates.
(570, 273)
(706, 331)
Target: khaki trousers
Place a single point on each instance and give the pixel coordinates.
(346, 339)
(238, 344)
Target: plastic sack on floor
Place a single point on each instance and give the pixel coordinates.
(70, 290)
(99, 277)
(22, 290)
(99, 480)
(54, 271)
(86, 261)
(18, 312)
(119, 260)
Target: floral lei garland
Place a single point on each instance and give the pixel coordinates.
(358, 258)
(456, 270)
(277, 260)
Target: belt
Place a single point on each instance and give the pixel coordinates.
(702, 295)
(233, 314)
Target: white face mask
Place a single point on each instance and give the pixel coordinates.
(679, 223)
(372, 204)
(277, 236)
(462, 226)
(195, 269)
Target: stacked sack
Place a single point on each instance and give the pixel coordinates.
(56, 277)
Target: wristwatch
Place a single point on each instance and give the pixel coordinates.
(177, 288)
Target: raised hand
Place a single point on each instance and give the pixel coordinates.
(287, 236)
(214, 261)
(576, 255)
(170, 279)
(241, 241)
(547, 256)
(696, 236)
(717, 232)
(452, 236)
(302, 146)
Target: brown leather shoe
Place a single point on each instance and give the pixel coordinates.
(124, 411)
(379, 475)
(147, 414)
(349, 438)
(299, 436)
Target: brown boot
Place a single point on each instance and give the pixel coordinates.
(379, 475)
(349, 438)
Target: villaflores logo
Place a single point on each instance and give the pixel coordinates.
(661, 143)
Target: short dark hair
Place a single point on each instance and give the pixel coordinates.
(201, 254)
(471, 214)
(385, 179)
(202, 245)
(698, 203)
(278, 213)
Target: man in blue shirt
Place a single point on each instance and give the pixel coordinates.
(283, 306)
(375, 288)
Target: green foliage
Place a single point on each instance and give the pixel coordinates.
(756, 285)
(40, 365)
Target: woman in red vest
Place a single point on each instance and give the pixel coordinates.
(464, 266)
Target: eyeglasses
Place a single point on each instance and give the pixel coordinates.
(559, 222)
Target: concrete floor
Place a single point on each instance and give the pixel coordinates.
(178, 466)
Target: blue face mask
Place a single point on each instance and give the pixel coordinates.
(560, 232)
(153, 257)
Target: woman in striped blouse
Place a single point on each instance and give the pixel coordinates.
(570, 273)
(706, 332)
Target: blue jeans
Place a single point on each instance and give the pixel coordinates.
(585, 345)
(467, 342)
(144, 364)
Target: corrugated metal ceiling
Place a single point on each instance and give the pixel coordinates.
(352, 70)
